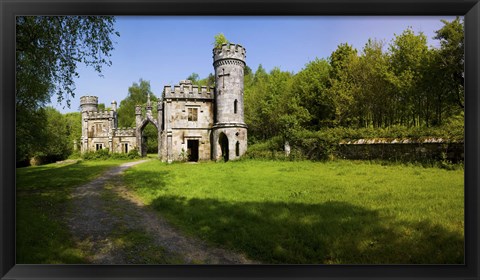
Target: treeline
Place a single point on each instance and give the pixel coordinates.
(52, 140)
(403, 84)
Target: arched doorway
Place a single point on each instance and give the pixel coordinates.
(223, 141)
(148, 138)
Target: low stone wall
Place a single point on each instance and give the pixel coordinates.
(402, 150)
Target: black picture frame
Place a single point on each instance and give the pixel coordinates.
(9, 9)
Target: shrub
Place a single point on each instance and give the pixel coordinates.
(101, 154)
(105, 154)
(133, 154)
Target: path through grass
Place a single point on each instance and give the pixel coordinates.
(42, 201)
(306, 212)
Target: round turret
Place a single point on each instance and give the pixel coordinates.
(89, 103)
(229, 51)
(229, 64)
(229, 136)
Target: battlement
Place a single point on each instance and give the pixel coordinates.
(89, 103)
(100, 115)
(229, 51)
(185, 82)
(88, 100)
(124, 131)
(186, 90)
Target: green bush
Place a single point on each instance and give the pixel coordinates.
(133, 154)
(105, 154)
(271, 149)
(101, 154)
(75, 155)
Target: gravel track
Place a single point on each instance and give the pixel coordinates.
(104, 206)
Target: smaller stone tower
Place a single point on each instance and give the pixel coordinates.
(229, 129)
(87, 104)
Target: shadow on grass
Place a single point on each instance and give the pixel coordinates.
(332, 232)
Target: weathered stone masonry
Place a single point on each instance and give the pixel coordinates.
(193, 122)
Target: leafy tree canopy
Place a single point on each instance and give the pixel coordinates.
(48, 50)
(137, 95)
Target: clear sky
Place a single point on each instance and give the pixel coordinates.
(165, 50)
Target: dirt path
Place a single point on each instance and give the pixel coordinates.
(115, 227)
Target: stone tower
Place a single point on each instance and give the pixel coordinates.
(87, 104)
(229, 132)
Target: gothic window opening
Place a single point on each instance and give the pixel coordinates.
(235, 106)
(192, 114)
(98, 146)
(125, 147)
(237, 149)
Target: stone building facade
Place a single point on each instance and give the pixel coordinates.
(193, 123)
(100, 131)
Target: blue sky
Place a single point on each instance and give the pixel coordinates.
(165, 50)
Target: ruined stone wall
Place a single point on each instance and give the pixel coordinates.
(407, 150)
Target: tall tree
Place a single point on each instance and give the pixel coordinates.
(452, 59)
(310, 87)
(48, 49)
(193, 77)
(343, 61)
(73, 123)
(138, 95)
(409, 52)
(255, 91)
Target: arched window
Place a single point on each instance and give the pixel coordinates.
(235, 106)
(237, 149)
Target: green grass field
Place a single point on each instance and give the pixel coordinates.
(343, 212)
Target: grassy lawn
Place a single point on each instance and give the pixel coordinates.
(43, 194)
(307, 212)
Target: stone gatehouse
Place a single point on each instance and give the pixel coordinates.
(194, 123)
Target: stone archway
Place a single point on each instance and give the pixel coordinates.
(141, 139)
(223, 141)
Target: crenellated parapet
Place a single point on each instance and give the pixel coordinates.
(100, 114)
(124, 131)
(185, 90)
(89, 103)
(229, 54)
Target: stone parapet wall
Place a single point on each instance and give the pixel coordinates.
(185, 90)
(229, 51)
(100, 115)
(124, 131)
(432, 149)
